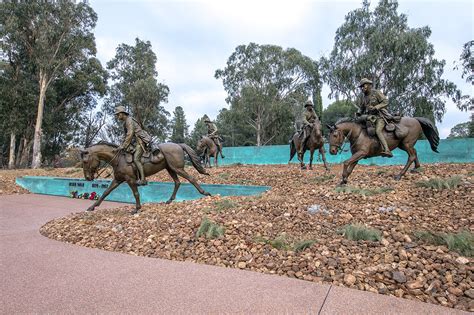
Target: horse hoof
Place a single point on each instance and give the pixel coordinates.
(342, 184)
(303, 167)
(207, 194)
(169, 201)
(90, 209)
(397, 177)
(311, 168)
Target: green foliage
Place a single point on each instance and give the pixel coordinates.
(302, 245)
(400, 61)
(222, 205)
(265, 85)
(282, 242)
(337, 110)
(356, 232)
(363, 191)
(209, 229)
(199, 130)
(179, 128)
(462, 130)
(462, 242)
(440, 183)
(323, 178)
(133, 70)
(52, 73)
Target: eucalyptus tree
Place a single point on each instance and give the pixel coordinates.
(262, 82)
(399, 59)
(133, 71)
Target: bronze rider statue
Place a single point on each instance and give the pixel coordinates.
(373, 103)
(135, 141)
(212, 133)
(309, 119)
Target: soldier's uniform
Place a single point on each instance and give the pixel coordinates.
(212, 133)
(309, 118)
(135, 141)
(374, 105)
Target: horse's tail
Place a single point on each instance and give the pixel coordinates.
(292, 149)
(194, 158)
(430, 132)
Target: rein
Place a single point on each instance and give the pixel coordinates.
(107, 164)
(340, 148)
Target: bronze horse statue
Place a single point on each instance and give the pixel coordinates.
(208, 148)
(362, 146)
(314, 141)
(169, 156)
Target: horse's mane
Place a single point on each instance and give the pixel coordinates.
(102, 142)
(343, 120)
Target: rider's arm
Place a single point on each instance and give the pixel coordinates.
(129, 135)
(213, 130)
(382, 99)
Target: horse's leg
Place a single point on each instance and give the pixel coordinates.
(323, 154)
(184, 174)
(301, 159)
(417, 162)
(136, 194)
(177, 183)
(411, 158)
(311, 155)
(349, 165)
(216, 154)
(109, 189)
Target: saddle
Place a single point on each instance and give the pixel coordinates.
(149, 156)
(392, 125)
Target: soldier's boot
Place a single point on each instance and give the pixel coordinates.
(142, 181)
(303, 142)
(137, 156)
(380, 124)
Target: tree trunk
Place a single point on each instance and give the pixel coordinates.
(36, 163)
(259, 131)
(25, 156)
(11, 162)
(20, 152)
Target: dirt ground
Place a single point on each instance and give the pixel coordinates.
(265, 233)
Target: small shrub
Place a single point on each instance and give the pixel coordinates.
(462, 242)
(224, 175)
(440, 183)
(209, 229)
(323, 178)
(356, 232)
(429, 237)
(280, 242)
(300, 246)
(363, 191)
(224, 204)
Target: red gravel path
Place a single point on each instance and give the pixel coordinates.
(40, 275)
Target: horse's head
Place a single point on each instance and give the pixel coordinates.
(336, 138)
(90, 164)
(201, 145)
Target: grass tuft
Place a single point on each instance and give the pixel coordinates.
(441, 183)
(323, 178)
(209, 229)
(462, 242)
(356, 232)
(301, 246)
(363, 191)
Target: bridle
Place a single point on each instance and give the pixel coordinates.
(340, 147)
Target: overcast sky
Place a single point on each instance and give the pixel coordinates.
(192, 39)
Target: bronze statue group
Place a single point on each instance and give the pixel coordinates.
(373, 132)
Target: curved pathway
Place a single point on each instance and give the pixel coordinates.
(40, 275)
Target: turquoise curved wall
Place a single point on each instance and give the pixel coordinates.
(450, 151)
